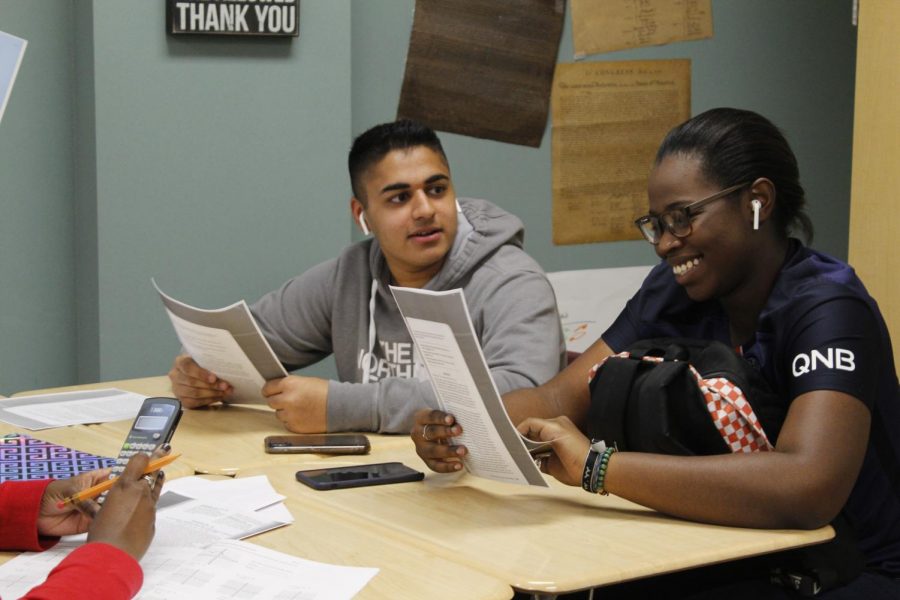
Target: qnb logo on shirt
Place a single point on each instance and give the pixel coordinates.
(833, 358)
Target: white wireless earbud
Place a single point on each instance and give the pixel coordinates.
(363, 225)
(458, 207)
(756, 206)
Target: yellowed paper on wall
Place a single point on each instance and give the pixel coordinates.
(608, 121)
(605, 25)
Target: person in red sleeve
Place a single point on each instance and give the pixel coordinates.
(106, 567)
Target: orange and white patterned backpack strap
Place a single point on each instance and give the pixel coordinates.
(593, 371)
(732, 415)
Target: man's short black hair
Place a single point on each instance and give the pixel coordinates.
(372, 145)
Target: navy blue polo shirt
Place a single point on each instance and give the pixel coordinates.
(819, 330)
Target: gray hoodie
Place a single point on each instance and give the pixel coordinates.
(344, 306)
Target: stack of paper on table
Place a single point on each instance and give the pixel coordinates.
(196, 553)
(70, 408)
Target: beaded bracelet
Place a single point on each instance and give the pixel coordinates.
(591, 463)
(597, 481)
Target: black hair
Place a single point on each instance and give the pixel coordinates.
(372, 145)
(736, 146)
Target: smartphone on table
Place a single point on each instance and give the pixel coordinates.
(154, 426)
(315, 443)
(337, 478)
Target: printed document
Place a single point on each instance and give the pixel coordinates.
(195, 553)
(442, 330)
(227, 342)
(46, 411)
(222, 570)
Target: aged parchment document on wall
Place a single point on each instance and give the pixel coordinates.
(483, 69)
(608, 121)
(605, 25)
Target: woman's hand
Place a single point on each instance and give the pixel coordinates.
(570, 447)
(128, 517)
(431, 434)
(54, 521)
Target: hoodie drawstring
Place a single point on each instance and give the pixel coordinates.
(372, 296)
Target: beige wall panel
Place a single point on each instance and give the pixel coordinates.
(874, 216)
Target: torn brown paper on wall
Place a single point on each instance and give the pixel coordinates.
(608, 121)
(483, 69)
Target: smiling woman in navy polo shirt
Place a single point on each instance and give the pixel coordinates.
(724, 201)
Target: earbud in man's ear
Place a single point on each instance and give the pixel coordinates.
(756, 204)
(363, 225)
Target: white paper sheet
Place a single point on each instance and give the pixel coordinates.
(12, 49)
(245, 493)
(199, 522)
(45, 411)
(220, 571)
(227, 342)
(441, 327)
(589, 300)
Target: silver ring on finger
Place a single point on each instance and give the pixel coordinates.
(425, 433)
(151, 481)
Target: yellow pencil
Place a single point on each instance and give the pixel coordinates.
(96, 490)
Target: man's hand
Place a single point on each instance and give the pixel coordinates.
(300, 402)
(195, 386)
(432, 434)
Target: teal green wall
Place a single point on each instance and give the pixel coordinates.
(217, 166)
(37, 274)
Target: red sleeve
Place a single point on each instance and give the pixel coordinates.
(20, 503)
(95, 570)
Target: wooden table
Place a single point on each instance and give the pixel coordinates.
(543, 541)
(231, 437)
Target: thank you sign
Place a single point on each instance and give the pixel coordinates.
(234, 17)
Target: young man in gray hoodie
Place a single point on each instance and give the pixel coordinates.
(422, 237)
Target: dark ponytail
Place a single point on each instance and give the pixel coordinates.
(735, 146)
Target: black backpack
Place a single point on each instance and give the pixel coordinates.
(655, 397)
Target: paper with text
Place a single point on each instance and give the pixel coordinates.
(609, 25)
(222, 570)
(227, 342)
(442, 330)
(608, 120)
(45, 411)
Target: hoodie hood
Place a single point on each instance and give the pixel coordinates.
(482, 228)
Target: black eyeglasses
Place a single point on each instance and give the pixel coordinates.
(678, 220)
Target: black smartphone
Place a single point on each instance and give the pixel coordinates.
(358, 476)
(315, 443)
(154, 425)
